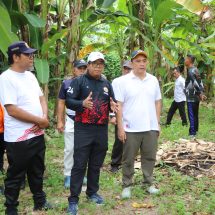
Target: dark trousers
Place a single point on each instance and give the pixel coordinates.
(173, 108)
(25, 157)
(2, 150)
(193, 114)
(90, 147)
(116, 157)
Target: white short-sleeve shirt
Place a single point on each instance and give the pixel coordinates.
(138, 98)
(179, 95)
(22, 90)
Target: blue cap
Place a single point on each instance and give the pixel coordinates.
(20, 47)
(138, 52)
(80, 63)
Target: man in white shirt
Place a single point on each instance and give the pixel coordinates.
(138, 118)
(26, 115)
(179, 98)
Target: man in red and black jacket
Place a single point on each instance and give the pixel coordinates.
(92, 97)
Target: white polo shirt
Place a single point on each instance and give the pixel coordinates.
(22, 90)
(138, 98)
(179, 95)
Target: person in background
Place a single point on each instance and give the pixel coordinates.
(179, 98)
(194, 92)
(138, 120)
(116, 157)
(66, 123)
(2, 143)
(25, 117)
(91, 97)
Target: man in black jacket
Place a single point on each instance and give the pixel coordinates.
(194, 93)
(91, 96)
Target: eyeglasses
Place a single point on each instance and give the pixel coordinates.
(29, 55)
(97, 64)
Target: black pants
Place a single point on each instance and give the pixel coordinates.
(116, 157)
(25, 157)
(193, 114)
(90, 147)
(181, 107)
(2, 150)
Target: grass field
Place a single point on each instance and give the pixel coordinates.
(180, 194)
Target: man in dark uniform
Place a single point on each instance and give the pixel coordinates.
(194, 93)
(91, 96)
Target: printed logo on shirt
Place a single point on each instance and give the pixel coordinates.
(70, 90)
(105, 90)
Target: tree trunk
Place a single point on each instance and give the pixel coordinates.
(73, 39)
(44, 16)
(23, 28)
(141, 16)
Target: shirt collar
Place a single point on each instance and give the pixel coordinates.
(133, 76)
(91, 78)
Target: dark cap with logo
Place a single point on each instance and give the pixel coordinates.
(20, 47)
(138, 52)
(80, 63)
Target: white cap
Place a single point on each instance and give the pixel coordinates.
(93, 56)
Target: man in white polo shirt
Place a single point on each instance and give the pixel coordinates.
(139, 98)
(179, 98)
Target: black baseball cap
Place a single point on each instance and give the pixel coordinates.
(20, 47)
(80, 63)
(138, 52)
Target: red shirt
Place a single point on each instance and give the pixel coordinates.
(1, 119)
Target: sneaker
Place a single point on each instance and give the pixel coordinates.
(126, 193)
(67, 182)
(114, 169)
(85, 180)
(72, 208)
(96, 198)
(153, 190)
(46, 206)
(192, 137)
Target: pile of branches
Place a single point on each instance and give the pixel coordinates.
(195, 158)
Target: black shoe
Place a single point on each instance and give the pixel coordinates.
(114, 169)
(46, 206)
(22, 187)
(11, 211)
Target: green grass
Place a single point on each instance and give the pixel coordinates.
(180, 194)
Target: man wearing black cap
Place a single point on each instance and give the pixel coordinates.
(26, 116)
(116, 156)
(139, 98)
(67, 125)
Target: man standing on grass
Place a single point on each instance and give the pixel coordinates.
(194, 92)
(138, 118)
(25, 117)
(179, 98)
(2, 143)
(91, 97)
(67, 125)
(116, 156)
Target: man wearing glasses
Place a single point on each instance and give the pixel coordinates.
(26, 115)
(91, 96)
